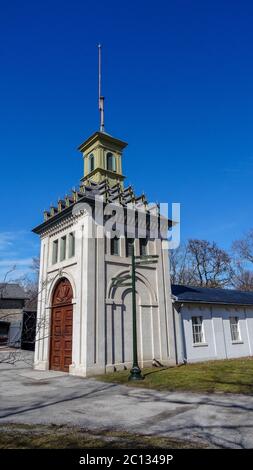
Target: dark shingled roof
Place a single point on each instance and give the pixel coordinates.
(211, 295)
(90, 190)
(12, 291)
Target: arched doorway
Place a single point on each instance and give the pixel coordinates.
(61, 326)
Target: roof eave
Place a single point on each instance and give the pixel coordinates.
(57, 217)
(102, 136)
(183, 301)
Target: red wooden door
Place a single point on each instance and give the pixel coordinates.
(61, 327)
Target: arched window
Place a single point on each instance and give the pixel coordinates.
(110, 162)
(91, 162)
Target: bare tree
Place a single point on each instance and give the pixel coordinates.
(181, 271)
(31, 284)
(212, 265)
(201, 263)
(242, 278)
(5, 280)
(243, 248)
(12, 355)
(242, 275)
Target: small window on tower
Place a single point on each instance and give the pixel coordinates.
(91, 163)
(110, 162)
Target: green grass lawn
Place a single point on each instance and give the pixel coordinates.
(24, 436)
(228, 376)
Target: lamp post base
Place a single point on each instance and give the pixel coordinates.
(135, 374)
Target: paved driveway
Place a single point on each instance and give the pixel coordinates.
(29, 396)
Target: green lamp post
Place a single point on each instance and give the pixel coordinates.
(135, 372)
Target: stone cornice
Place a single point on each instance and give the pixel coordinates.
(61, 225)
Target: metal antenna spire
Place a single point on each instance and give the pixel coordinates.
(100, 97)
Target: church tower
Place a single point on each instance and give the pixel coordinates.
(84, 320)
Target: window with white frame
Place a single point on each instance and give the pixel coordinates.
(234, 328)
(197, 330)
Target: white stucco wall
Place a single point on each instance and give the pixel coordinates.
(48, 278)
(218, 343)
(154, 311)
(102, 317)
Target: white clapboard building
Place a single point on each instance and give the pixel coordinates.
(212, 323)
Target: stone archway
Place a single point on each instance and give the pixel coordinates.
(61, 326)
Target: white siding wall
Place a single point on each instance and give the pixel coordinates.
(218, 343)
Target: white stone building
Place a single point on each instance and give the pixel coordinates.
(84, 322)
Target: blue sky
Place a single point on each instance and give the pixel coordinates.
(178, 82)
